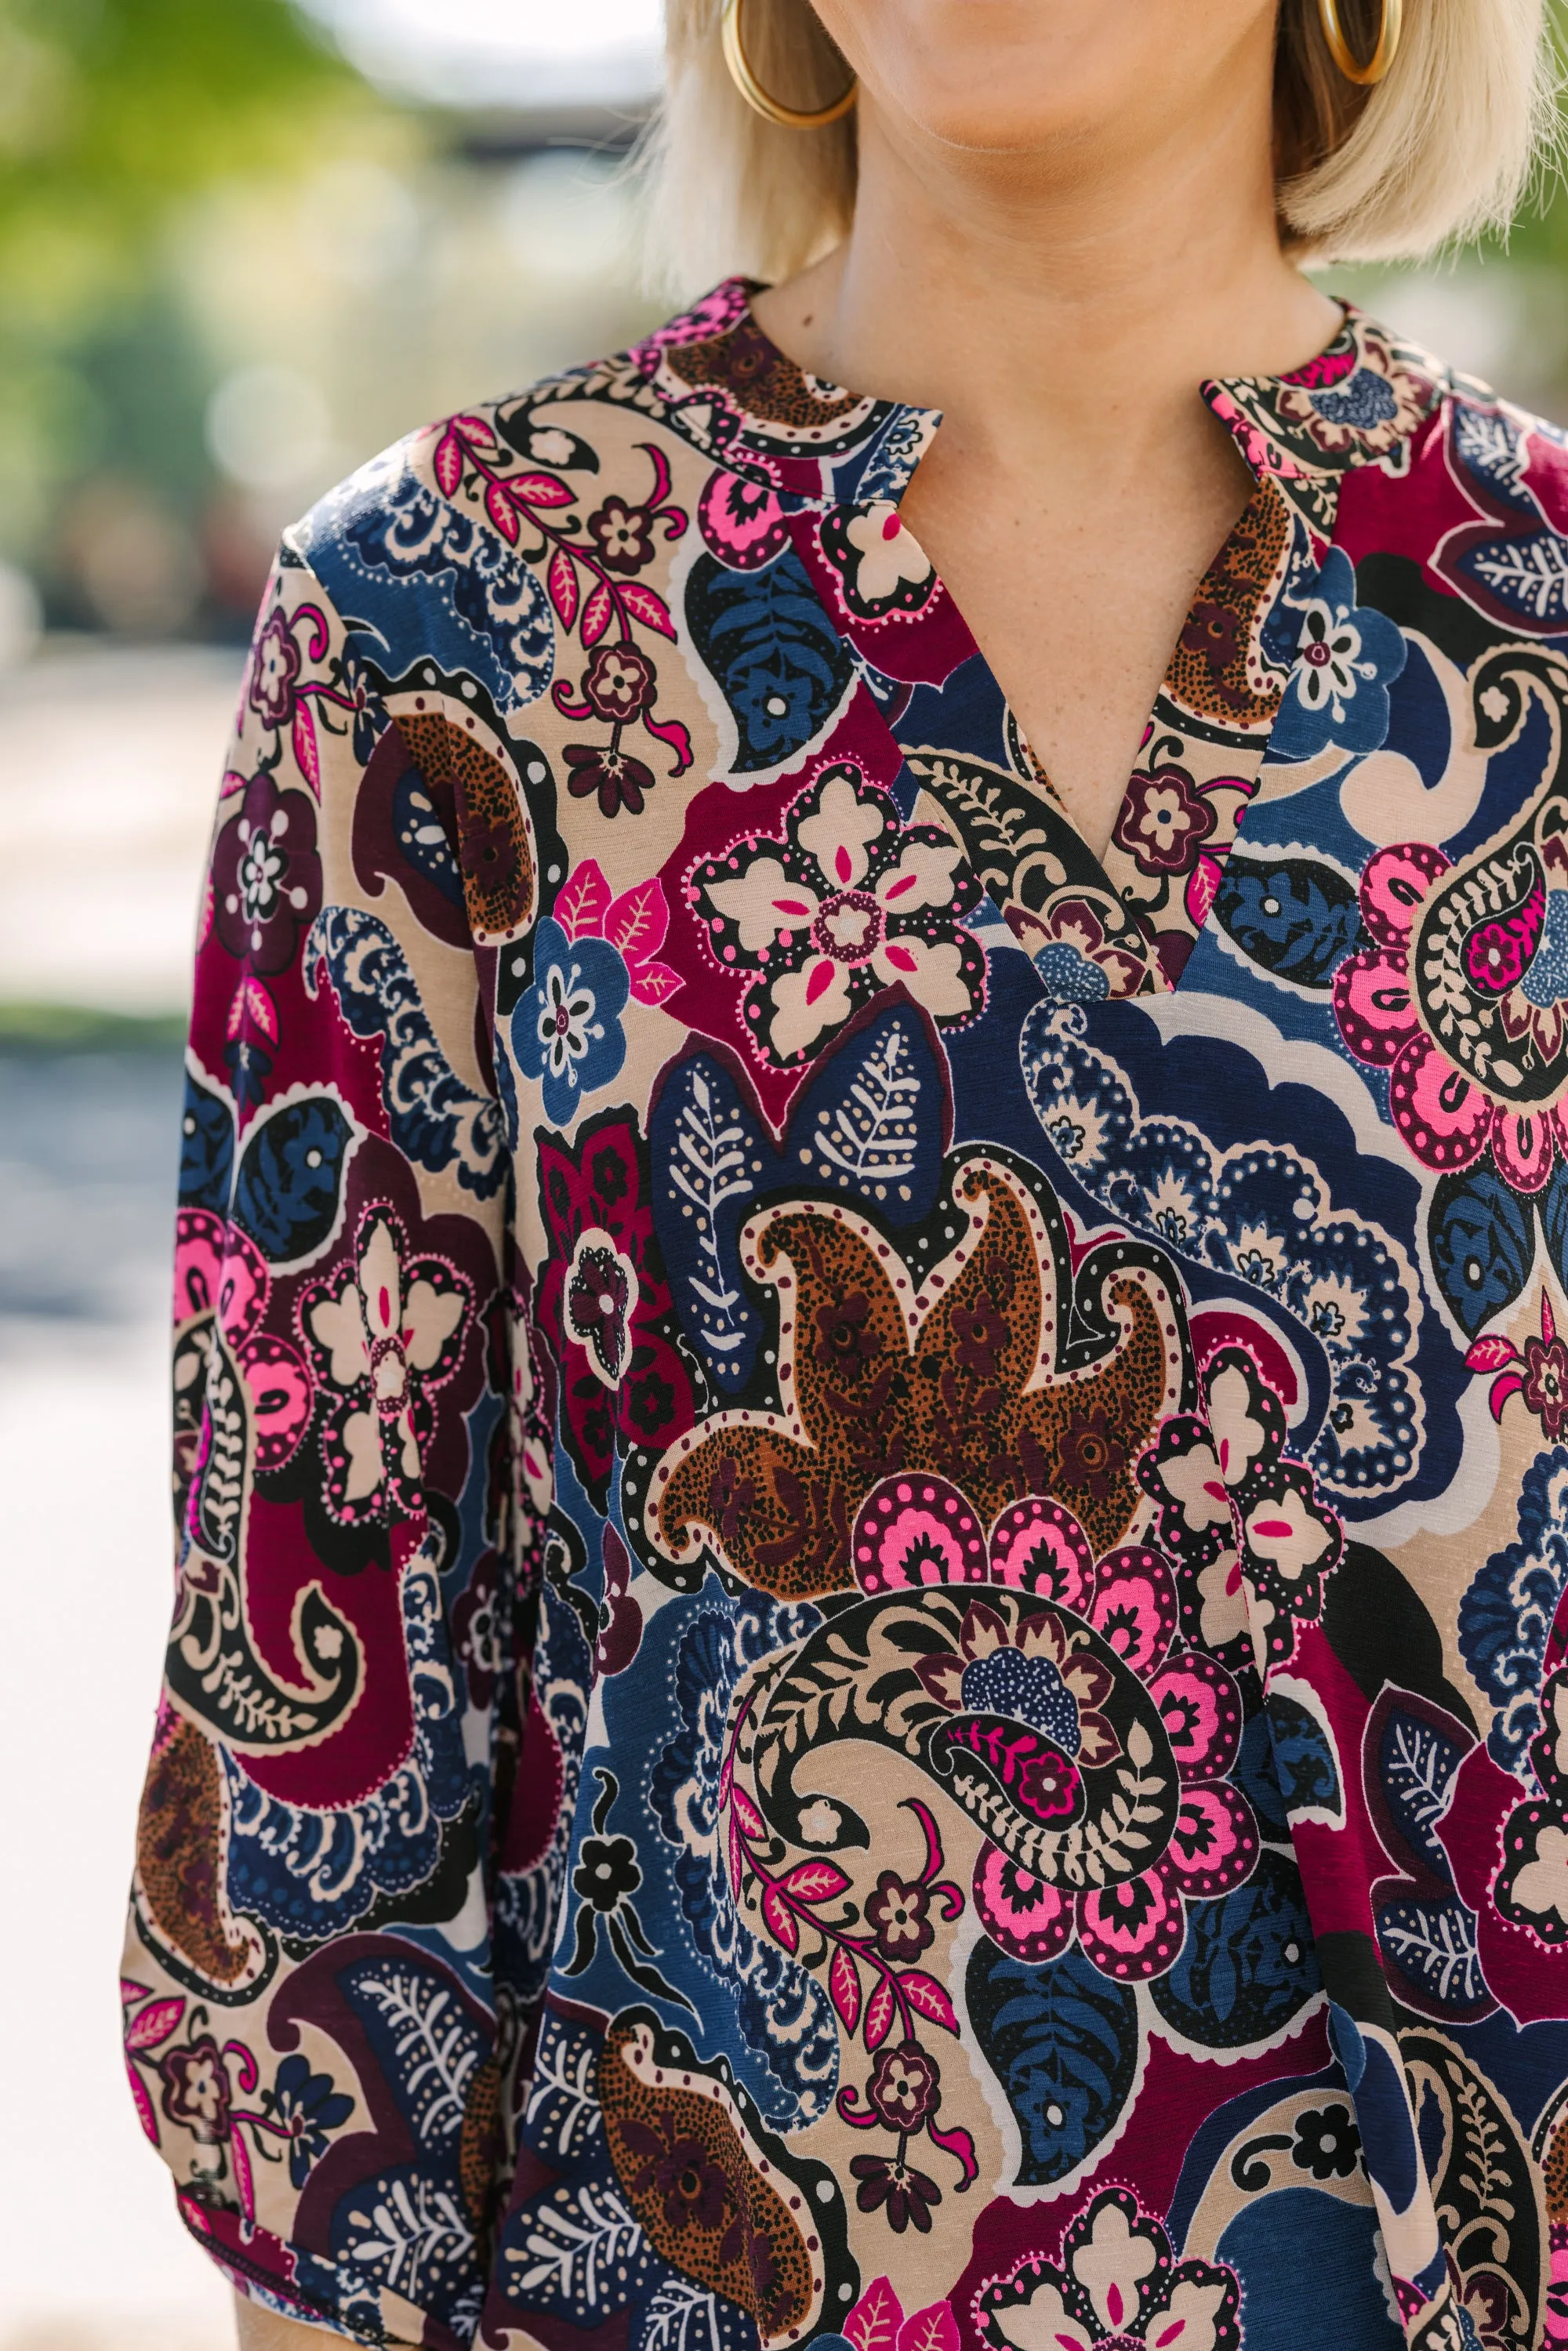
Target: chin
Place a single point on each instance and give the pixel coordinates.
(1013, 75)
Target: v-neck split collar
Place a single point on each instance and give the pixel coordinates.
(819, 447)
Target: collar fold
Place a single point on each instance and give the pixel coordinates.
(730, 390)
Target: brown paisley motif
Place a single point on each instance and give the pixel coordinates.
(480, 2143)
(710, 2201)
(182, 1832)
(772, 389)
(498, 879)
(1218, 670)
(1555, 2174)
(959, 1379)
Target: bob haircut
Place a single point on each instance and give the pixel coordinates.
(1435, 154)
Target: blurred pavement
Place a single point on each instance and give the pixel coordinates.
(109, 766)
(109, 759)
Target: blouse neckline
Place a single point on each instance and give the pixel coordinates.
(724, 383)
(1357, 403)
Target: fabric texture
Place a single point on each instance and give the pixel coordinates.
(871, 1644)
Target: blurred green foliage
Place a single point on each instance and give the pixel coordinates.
(111, 108)
(112, 114)
(1538, 234)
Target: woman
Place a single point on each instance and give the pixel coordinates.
(871, 1642)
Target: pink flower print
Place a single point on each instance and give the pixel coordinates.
(742, 522)
(850, 901)
(1557, 2291)
(1035, 1681)
(1497, 952)
(220, 1274)
(1449, 1120)
(1265, 1571)
(1186, 1474)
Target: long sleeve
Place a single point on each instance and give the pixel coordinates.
(311, 2021)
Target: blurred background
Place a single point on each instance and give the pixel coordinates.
(243, 245)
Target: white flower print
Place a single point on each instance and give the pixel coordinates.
(1239, 1434)
(851, 901)
(1282, 1530)
(1118, 2287)
(1331, 666)
(1222, 1594)
(382, 1329)
(889, 555)
(566, 1020)
(840, 833)
(1543, 1883)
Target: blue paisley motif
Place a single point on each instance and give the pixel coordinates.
(1506, 1616)
(779, 662)
(784, 2017)
(312, 1874)
(421, 580)
(1063, 2042)
(286, 1194)
(433, 1116)
(1260, 1212)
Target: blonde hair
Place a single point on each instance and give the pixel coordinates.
(1437, 153)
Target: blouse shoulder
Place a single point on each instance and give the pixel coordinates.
(455, 546)
(1484, 504)
(1498, 440)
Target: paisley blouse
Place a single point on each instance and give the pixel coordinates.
(872, 1645)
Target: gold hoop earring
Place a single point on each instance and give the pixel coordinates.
(1343, 55)
(771, 109)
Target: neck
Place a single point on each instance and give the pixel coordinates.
(1080, 291)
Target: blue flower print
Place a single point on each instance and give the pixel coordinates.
(1363, 402)
(567, 1028)
(1348, 658)
(304, 2107)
